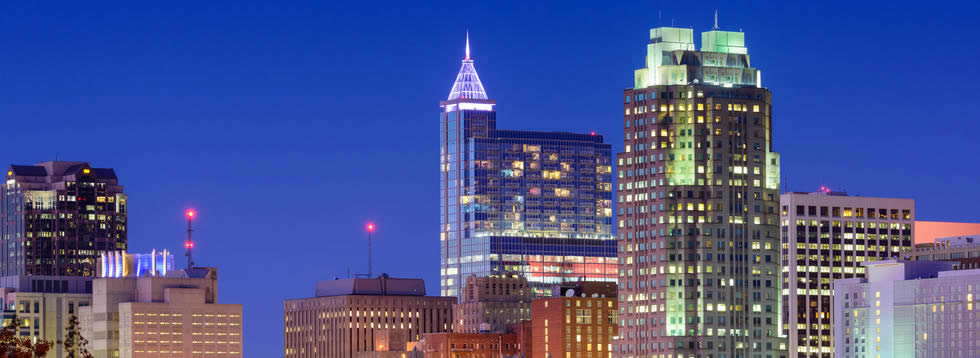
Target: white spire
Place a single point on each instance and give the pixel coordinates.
(716, 20)
(468, 43)
(467, 85)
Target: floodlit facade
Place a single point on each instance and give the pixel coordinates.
(58, 217)
(698, 187)
(353, 317)
(908, 309)
(535, 204)
(492, 303)
(827, 236)
(162, 316)
(122, 264)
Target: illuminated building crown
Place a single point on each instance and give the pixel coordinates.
(467, 85)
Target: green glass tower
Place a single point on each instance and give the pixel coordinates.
(698, 197)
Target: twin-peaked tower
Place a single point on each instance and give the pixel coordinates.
(699, 272)
(519, 203)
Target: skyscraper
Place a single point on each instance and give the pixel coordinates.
(827, 236)
(535, 204)
(58, 217)
(697, 204)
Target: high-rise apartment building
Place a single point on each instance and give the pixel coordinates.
(827, 236)
(356, 316)
(58, 217)
(536, 204)
(579, 322)
(158, 316)
(697, 204)
(905, 309)
(492, 303)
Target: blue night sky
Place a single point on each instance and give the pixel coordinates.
(289, 127)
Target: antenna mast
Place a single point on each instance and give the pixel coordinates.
(370, 230)
(189, 244)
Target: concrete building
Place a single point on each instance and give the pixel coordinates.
(534, 204)
(963, 250)
(698, 186)
(827, 236)
(469, 345)
(579, 323)
(58, 217)
(491, 303)
(44, 313)
(159, 316)
(908, 309)
(347, 317)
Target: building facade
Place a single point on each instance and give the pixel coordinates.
(697, 204)
(535, 204)
(827, 236)
(908, 309)
(469, 345)
(162, 316)
(491, 303)
(964, 251)
(44, 315)
(58, 217)
(579, 323)
(348, 317)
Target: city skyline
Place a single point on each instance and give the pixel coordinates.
(272, 101)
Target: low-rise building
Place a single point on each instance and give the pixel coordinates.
(44, 304)
(469, 345)
(157, 316)
(347, 317)
(908, 309)
(489, 304)
(579, 323)
(963, 250)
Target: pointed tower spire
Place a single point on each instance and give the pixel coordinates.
(468, 44)
(716, 20)
(467, 85)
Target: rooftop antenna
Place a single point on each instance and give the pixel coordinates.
(189, 244)
(660, 18)
(716, 20)
(370, 226)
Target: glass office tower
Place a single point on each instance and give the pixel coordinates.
(58, 217)
(533, 204)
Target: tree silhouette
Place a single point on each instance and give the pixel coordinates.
(14, 346)
(74, 342)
